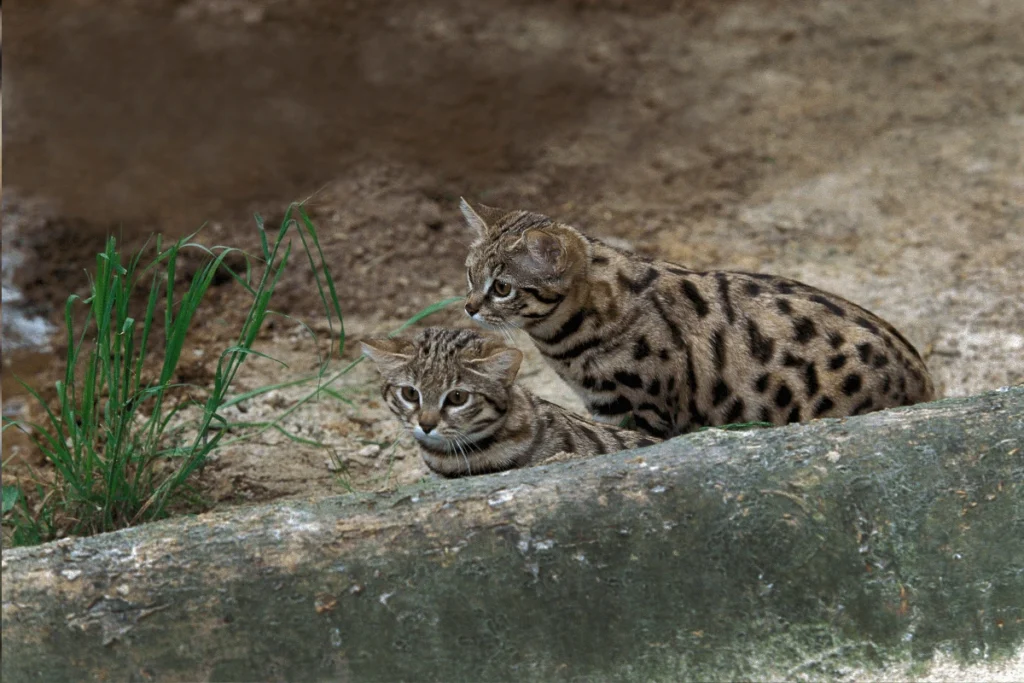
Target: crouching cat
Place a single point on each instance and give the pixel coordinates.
(455, 391)
(675, 349)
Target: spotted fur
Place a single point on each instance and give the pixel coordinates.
(494, 424)
(678, 349)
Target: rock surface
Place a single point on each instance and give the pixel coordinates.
(871, 547)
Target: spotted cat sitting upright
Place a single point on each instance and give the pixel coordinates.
(676, 349)
(455, 391)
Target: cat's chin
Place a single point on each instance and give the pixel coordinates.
(433, 441)
(443, 446)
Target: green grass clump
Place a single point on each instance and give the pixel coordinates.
(108, 434)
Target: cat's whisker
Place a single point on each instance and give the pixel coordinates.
(461, 445)
(506, 331)
(467, 446)
(502, 329)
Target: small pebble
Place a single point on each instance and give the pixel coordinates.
(371, 451)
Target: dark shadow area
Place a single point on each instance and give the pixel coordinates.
(120, 115)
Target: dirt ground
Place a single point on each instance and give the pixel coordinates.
(873, 149)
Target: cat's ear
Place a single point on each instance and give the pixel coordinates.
(545, 253)
(481, 219)
(387, 353)
(501, 363)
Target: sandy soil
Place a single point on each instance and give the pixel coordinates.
(873, 149)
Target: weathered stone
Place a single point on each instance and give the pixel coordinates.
(862, 545)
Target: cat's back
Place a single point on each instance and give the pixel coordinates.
(769, 348)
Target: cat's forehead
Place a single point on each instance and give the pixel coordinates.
(515, 223)
(447, 342)
(481, 265)
(440, 353)
(489, 254)
(491, 258)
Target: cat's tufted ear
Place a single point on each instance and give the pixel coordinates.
(500, 363)
(544, 253)
(387, 353)
(480, 219)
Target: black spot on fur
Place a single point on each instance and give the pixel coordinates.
(673, 328)
(629, 379)
(691, 374)
(697, 418)
(783, 396)
(836, 362)
(638, 286)
(662, 415)
(880, 361)
(654, 388)
(765, 415)
(641, 349)
(599, 260)
(852, 384)
(804, 330)
(645, 426)
(864, 406)
(671, 386)
(811, 379)
(835, 340)
(718, 346)
(617, 407)
(784, 306)
(866, 324)
(762, 348)
(784, 287)
(864, 351)
(719, 393)
(823, 405)
(762, 383)
(735, 411)
(588, 382)
(886, 384)
(608, 385)
(791, 361)
(693, 294)
(723, 292)
(664, 354)
(794, 415)
(752, 289)
(832, 306)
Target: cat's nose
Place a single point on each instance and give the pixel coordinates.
(427, 424)
(472, 307)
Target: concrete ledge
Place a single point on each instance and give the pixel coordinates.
(865, 545)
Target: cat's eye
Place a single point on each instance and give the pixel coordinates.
(457, 397)
(409, 394)
(501, 288)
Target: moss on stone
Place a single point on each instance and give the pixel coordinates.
(812, 550)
